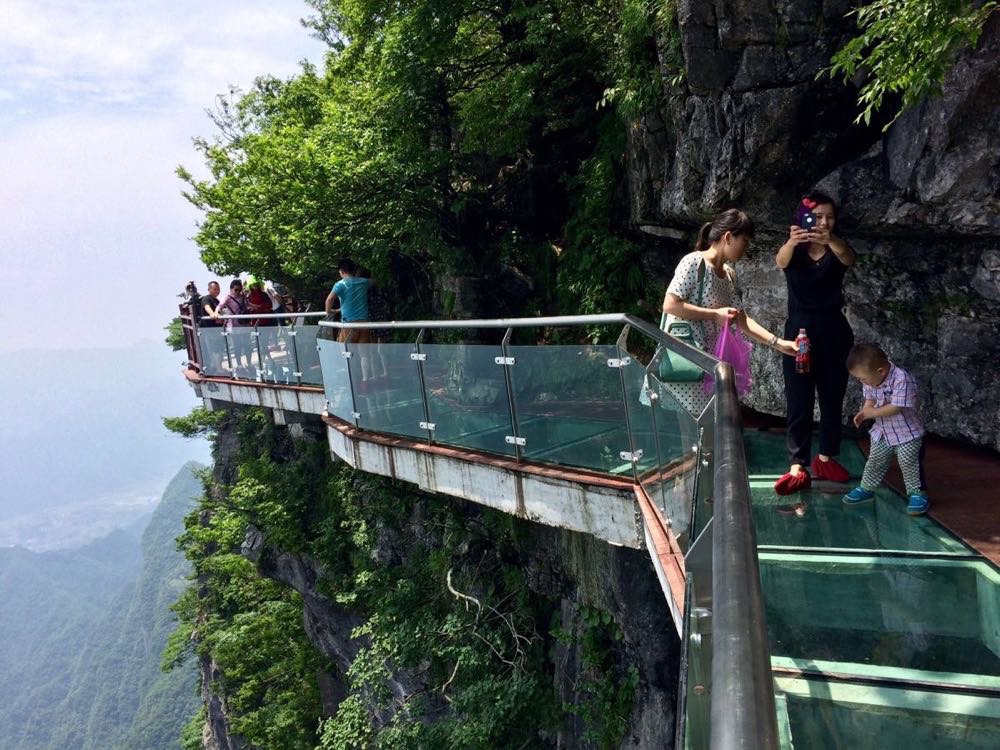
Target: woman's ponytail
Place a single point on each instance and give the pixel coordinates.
(703, 242)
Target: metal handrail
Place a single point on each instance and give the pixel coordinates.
(742, 709)
(263, 316)
(699, 357)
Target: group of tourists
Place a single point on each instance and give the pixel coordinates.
(704, 291)
(255, 298)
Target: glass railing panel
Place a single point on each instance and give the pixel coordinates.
(336, 378)
(665, 433)
(936, 615)
(308, 355)
(826, 715)
(214, 356)
(817, 519)
(276, 356)
(243, 352)
(387, 393)
(467, 396)
(569, 406)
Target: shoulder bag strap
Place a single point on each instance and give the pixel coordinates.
(700, 275)
(701, 295)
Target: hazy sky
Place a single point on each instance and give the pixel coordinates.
(99, 102)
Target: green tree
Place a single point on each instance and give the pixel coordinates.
(454, 133)
(905, 48)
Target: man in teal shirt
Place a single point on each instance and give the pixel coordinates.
(352, 291)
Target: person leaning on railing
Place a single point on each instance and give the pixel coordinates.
(352, 292)
(705, 292)
(210, 307)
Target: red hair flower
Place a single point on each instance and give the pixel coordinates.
(809, 203)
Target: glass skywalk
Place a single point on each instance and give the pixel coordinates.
(884, 629)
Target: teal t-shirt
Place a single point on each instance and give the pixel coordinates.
(353, 295)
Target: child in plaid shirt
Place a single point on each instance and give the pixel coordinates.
(890, 394)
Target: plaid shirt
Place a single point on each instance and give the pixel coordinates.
(899, 389)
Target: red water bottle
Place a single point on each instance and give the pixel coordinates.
(802, 352)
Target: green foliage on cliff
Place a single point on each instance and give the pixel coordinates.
(452, 649)
(457, 134)
(905, 48)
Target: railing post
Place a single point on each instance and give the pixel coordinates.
(226, 331)
(508, 377)
(255, 335)
(191, 337)
(423, 386)
(347, 355)
(623, 354)
(653, 393)
(293, 334)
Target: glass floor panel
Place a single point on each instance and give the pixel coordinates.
(767, 454)
(816, 519)
(915, 613)
(834, 715)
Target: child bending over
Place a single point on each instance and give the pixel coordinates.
(890, 394)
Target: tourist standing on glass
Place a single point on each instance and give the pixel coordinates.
(704, 291)
(210, 306)
(815, 261)
(235, 303)
(352, 292)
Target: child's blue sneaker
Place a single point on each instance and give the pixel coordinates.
(858, 495)
(918, 505)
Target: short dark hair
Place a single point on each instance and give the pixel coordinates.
(347, 266)
(866, 355)
(234, 283)
(213, 281)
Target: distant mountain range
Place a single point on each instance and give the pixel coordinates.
(83, 445)
(81, 634)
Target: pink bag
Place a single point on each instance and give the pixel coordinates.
(734, 349)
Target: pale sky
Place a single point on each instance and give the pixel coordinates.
(99, 102)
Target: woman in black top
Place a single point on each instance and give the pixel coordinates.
(814, 262)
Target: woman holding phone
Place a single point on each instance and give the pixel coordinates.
(815, 261)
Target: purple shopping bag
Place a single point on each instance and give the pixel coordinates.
(734, 349)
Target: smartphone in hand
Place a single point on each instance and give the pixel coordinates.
(808, 221)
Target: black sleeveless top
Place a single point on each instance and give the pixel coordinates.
(815, 286)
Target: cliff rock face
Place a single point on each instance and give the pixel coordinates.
(577, 571)
(751, 126)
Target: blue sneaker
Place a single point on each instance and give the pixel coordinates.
(918, 505)
(858, 495)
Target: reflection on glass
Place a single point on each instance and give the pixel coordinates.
(214, 355)
(817, 519)
(387, 391)
(308, 356)
(829, 716)
(336, 380)
(666, 433)
(937, 615)
(242, 352)
(277, 360)
(467, 397)
(569, 406)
